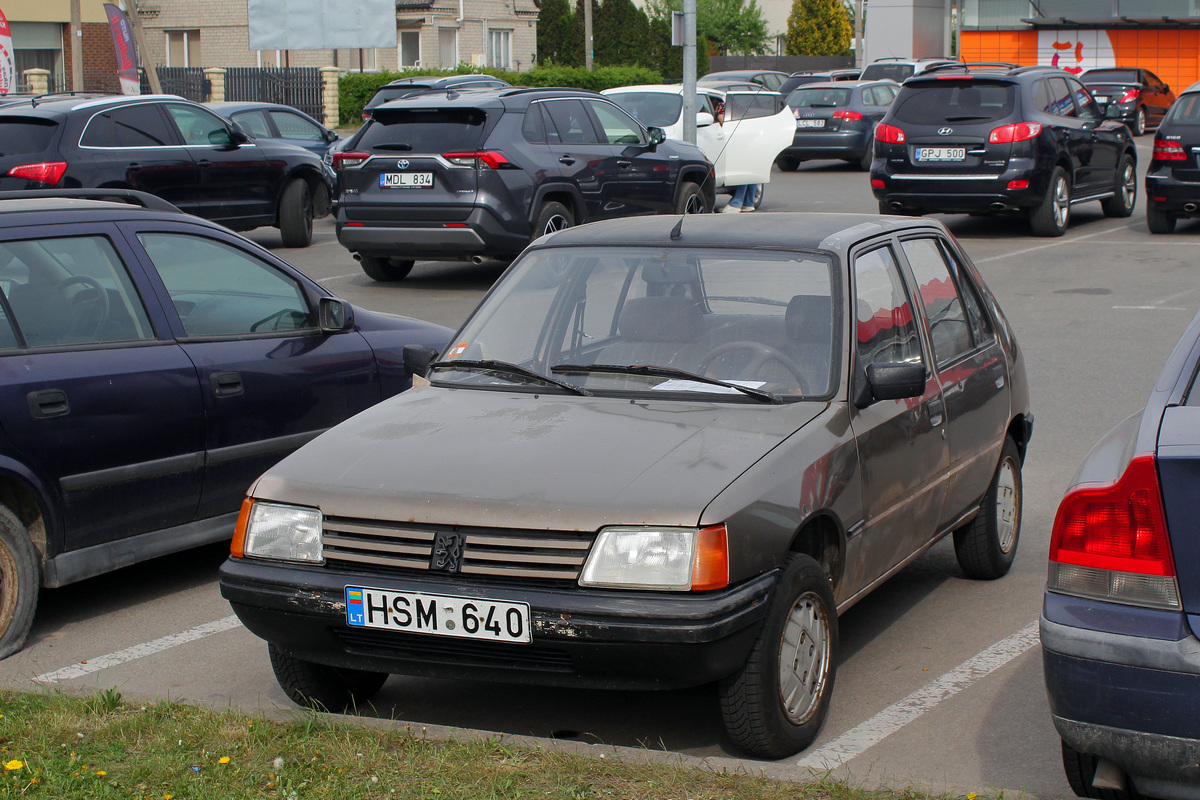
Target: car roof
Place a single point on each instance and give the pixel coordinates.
(740, 73)
(506, 96)
(441, 79)
(49, 105)
(778, 230)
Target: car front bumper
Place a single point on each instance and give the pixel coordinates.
(480, 234)
(1119, 692)
(581, 637)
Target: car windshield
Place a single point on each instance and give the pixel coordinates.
(422, 130)
(895, 72)
(820, 98)
(652, 109)
(674, 322)
(954, 101)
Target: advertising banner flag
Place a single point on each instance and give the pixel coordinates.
(8, 66)
(122, 33)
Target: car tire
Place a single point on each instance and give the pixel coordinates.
(986, 546)
(321, 687)
(296, 214)
(864, 162)
(386, 269)
(1051, 216)
(1125, 191)
(787, 163)
(1159, 221)
(691, 200)
(1080, 769)
(20, 578)
(552, 217)
(1139, 122)
(801, 610)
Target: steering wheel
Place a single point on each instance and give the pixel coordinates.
(92, 331)
(764, 353)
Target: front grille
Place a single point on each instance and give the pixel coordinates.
(389, 547)
(441, 650)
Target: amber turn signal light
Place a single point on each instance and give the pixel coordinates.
(710, 569)
(237, 546)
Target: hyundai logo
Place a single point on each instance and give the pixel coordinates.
(941, 132)
(403, 163)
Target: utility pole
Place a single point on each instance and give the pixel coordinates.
(587, 34)
(76, 47)
(858, 33)
(689, 71)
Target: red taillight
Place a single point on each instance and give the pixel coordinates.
(1130, 96)
(343, 160)
(1018, 184)
(1017, 132)
(1165, 150)
(843, 113)
(490, 158)
(877, 183)
(42, 172)
(888, 134)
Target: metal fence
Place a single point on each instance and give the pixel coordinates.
(186, 82)
(298, 87)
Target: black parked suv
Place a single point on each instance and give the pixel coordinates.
(167, 146)
(993, 139)
(475, 175)
(1173, 181)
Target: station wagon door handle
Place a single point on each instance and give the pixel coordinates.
(624, 164)
(226, 384)
(48, 403)
(566, 160)
(204, 162)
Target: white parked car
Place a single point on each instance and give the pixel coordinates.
(758, 126)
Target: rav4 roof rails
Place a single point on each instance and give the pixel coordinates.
(33, 101)
(970, 67)
(526, 89)
(129, 196)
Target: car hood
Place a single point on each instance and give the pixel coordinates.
(523, 460)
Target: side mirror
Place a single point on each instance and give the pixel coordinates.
(223, 137)
(330, 136)
(334, 315)
(657, 136)
(896, 381)
(704, 119)
(418, 357)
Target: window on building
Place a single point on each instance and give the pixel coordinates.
(500, 49)
(38, 45)
(183, 48)
(447, 48)
(270, 58)
(410, 48)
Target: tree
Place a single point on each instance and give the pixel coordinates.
(730, 26)
(554, 27)
(620, 30)
(819, 28)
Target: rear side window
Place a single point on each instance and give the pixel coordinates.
(534, 126)
(822, 98)
(1058, 98)
(1186, 110)
(571, 123)
(956, 101)
(424, 130)
(22, 135)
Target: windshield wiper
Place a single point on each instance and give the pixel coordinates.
(404, 147)
(667, 372)
(964, 119)
(491, 365)
(822, 105)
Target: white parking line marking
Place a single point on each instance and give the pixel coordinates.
(138, 651)
(1151, 308)
(897, 715)
(1059, 243)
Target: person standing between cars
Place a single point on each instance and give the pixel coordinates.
(743, 195)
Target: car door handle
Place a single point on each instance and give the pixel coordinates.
(204, 162)
(226, 384)
(566, 160)
(48, 403)
(936, 406)
(625, 164)
(134, 167)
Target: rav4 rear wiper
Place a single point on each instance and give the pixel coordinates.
(404, 147)
(667, 372)
(504, 367)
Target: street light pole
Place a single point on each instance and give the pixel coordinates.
(689, 71)
(76, 47)
(587, 34)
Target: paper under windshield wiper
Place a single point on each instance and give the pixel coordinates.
(505, 367)
(667, 372)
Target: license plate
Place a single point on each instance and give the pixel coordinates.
(810, 123)
(406, 180)
(941, 153)
(438, 615)
(1100, 98)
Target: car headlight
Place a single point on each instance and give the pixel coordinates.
(274, 530)
(672, 559)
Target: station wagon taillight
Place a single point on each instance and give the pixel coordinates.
(1016, 132)
(1110, 541)
(1130, 96)
(843, 113)
(42, 172)
(488, 158)
(1166, 150)
(342, 160)
(888, 134)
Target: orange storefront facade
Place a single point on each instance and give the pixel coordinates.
(1173, 54)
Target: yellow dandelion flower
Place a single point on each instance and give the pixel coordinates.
(971, 796)
(101, 773)
(168, 796)
(14, 764)
(223, 760)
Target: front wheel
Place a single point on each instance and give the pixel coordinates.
(1159, 221)
(775, 704)
(296, 214)
(986, 546)
(1051, 215)
(321, 687)
(1124, 191)
(691, 200)
(386, 269)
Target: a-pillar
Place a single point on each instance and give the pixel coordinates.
(38, 80)
(907, 29)
(329, 96)
(216, 80)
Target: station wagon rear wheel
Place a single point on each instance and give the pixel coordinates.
(775, 704)
(986, 546)
(19, 580)
(321, 687)
(296, 214)
(1050, 217)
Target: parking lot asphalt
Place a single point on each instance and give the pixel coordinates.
(939, 684)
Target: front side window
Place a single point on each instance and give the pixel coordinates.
(294, 126)
(887, 328)
(254, 122)
(220, 290)
(949, 331)
(1084, 101)
(198, 126)
(617, 126)
(70, 290)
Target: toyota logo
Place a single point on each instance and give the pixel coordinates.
(941, 132)
(403, 163)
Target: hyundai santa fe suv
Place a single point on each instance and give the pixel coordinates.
(985, 139)
(457, 176)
